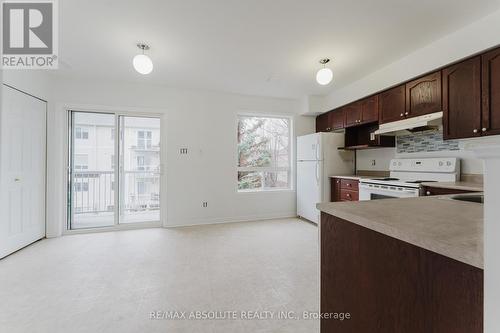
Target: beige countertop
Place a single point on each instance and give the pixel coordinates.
(465, 186)
(438, 224)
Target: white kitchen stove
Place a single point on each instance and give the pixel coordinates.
(406, 176)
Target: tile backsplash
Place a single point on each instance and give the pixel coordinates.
(427, 141)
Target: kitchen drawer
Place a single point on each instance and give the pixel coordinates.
(349, 184)
(347, 195)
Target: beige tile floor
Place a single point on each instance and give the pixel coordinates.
(112, 281)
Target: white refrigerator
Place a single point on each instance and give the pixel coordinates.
(318, 158)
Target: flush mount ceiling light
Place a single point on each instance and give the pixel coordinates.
(324, 75)
(142, 63)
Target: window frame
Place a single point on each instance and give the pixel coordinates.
(290, 169)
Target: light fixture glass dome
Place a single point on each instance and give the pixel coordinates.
(324, 76)
(143, 64)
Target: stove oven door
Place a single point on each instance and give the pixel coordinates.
(377, 191)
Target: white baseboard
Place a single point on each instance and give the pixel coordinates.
(248, 218)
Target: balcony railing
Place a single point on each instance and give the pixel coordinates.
(94, 191)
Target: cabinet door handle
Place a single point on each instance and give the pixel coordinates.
(475, 130)
(348, 195)
(428, 193)
(402, 114)
(407, 113)
(484, 129)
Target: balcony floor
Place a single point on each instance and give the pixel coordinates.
(106, 219)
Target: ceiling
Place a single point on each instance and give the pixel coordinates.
(256, 47)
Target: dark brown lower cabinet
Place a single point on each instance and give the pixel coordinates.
(429, 190)
(344, 189)
(335, 191)
(389, 286)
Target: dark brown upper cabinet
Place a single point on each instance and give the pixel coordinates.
(491, 93)
(322, 122)
(361, 112)
(352, 114)
(369, 110)
(462, 99)
(423, 95)
(336, 119)
(468, 93)
(392, 104)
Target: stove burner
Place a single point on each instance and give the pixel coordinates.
(386, 179)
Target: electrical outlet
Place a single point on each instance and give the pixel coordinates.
(374, 162)
(183, 151)
(205, 204)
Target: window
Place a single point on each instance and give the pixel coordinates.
(141, 188)
(264, 153)
(81, 162)
(81, 133)
(81, 187)
(144, 139)
(140, 163)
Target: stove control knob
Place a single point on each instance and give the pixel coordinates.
(448, 163)
(440, 163)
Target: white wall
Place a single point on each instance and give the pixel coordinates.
(472, 39)
(35, 82)
(382, 157)
(204, 122)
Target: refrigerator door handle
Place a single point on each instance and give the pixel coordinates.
(317, 173)
(317, 149)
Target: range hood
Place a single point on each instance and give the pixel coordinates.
(420, 123)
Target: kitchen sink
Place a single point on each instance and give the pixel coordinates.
(477, 198)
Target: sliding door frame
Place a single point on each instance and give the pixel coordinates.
(69, 140)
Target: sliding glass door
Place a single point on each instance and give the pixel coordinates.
(92, 170)
(114, 170)
(140, 169)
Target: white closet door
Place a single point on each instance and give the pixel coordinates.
(22, 170)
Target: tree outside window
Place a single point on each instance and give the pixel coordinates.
(264, 153)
